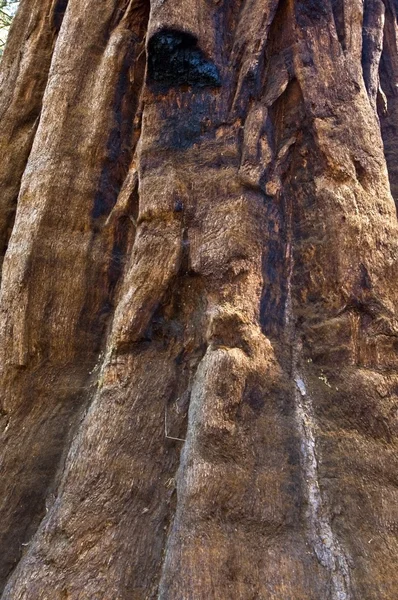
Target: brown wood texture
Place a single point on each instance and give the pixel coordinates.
(198, 306)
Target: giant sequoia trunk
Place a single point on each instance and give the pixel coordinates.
(198, 343)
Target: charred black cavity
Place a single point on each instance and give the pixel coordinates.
(174, 59)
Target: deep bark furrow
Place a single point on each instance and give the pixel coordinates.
(373, 33)
(387, 105)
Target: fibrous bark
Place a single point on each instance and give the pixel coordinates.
(198, 343)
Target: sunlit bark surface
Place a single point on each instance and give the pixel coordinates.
(198, 309)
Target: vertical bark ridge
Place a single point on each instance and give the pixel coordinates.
(248, 53)
(23, 78)
(329, 362)
(321, 538)
(49, 332)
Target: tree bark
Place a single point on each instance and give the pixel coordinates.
(199, 334)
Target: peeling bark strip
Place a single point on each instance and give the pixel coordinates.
(204, 232)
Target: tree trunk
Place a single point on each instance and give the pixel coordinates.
(199, 333)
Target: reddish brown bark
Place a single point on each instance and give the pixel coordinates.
(198, 301)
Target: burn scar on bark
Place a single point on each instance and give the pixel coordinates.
(175, 59)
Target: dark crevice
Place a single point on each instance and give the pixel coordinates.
(311, 12)
(339, 20)
(121, 147)
(175, 59)
(120, 235)
(395, 6)
(124, 136)
(387, 103)
(372, 45)
(254, 68)
(132, 15)
(285, 115)
(360, 172)
(278, 51)
(59, 9)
